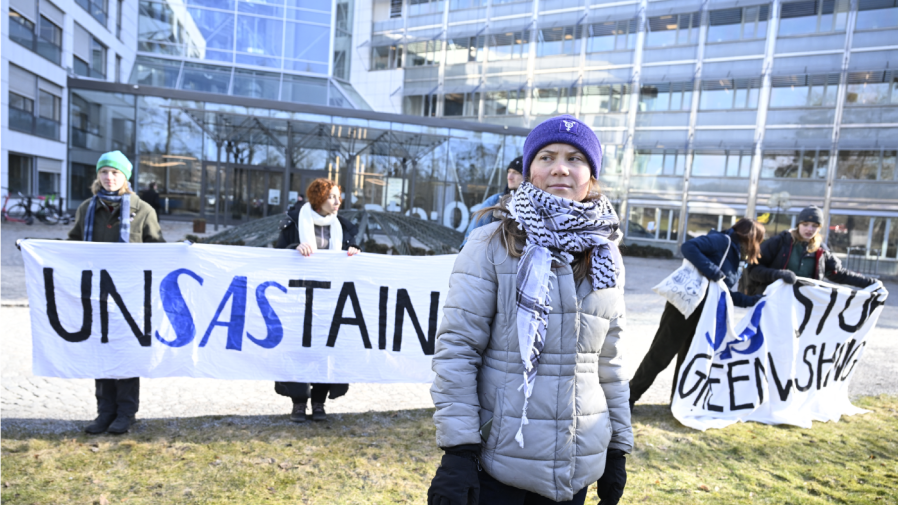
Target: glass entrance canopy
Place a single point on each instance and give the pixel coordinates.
(230, 159)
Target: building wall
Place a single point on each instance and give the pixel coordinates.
(13, 53)
(703, 163)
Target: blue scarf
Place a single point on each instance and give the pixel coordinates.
(124, 230)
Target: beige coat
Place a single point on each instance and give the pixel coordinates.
(579, 406)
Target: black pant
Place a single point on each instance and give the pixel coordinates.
(118, 396)
(301, 391)
(497, 493)
(674, 337)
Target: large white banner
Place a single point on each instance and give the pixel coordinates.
(788, 361)
(177, 310)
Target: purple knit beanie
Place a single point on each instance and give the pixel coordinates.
(564, 129)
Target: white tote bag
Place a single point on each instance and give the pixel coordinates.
(685, 288)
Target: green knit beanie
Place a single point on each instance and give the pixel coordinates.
(116, 160)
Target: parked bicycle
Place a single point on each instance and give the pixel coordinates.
(48, 212)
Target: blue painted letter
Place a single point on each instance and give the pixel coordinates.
(272, 321)
(176, 309)
(235, 326)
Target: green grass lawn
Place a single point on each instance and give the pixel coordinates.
(391, 457)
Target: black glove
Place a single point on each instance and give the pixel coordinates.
(718, 275)
(787, 276)
(611, 485)
(457, 481)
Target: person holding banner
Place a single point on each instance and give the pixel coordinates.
(717, 256)
(530, 392)
(100, 219)
(308, 228)
(801, 253)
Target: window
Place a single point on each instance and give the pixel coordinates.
(797, 164)
(419, 7)
(256, 84)
(155, 72)
(721, 164)
(48, 173)
(509, 46)
(725, 94)
(605, 98)
(503, 103)
(804, 91)
(90, 55)
(676, 96)
(48, 117)
(207, 78)
(653, 223)
(877, 165)
(21, 113)
(20, 174)
(560, 40)
(464, 49)
(395, 9)
(611, 36)
(813, 16)
(342, 39)
(878, 235)
(735, 24)
(656, 162)
(419, 54)
(553, 101)
(47, 41)
(461, 104)
(21, 30)
(463, 4)
(34, 104)
(96, 8)
(873, 14)
(673, 30)
(612, 159)
(118, 68)
(700, 224)
(420, 105)
(118, 19)
(872, 88)
(386, 57)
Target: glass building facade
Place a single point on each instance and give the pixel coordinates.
(708, 111)
(232, 159)
(289, 50)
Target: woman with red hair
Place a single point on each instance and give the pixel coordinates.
(307, 229)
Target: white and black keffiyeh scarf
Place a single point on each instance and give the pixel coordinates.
(556, 228)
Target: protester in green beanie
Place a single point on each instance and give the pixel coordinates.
(116, 160)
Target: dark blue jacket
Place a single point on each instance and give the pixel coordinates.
(707, 251)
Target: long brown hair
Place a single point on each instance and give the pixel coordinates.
(750, 234)
(514, 238)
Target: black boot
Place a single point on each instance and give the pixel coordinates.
(318, 413)
(105, 392)
(299, 410)
(127, 399)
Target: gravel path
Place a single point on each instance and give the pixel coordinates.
(26, 397)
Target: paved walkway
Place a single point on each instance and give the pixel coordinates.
(24, 396)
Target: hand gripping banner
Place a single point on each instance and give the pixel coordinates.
(177, 310)
(788, 361)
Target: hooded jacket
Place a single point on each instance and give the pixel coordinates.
(107, 219)
(578, 408)
(776, 252)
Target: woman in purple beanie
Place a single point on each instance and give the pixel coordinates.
(530, 393)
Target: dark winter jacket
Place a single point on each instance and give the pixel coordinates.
(151, 197)
(107, 219)
(289, 237)
(707, 251)
(775, 253)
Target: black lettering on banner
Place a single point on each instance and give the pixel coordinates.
(731, 381)
(310, 295)
(802, 389)
(53, 313)
(760, 374)
(148, 302)
(382, 317)
(832, 302)
(839, 365)
(711, 381)
(876, 302)
(107, 289)
(852, 328)
(782, 390)
(848, 372)
(338, 320)
(805, 301)
(821, 361)
(404, 304)
(685, 374)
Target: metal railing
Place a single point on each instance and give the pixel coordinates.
(863, 260)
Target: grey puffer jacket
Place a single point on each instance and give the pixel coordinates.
(578, 408)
